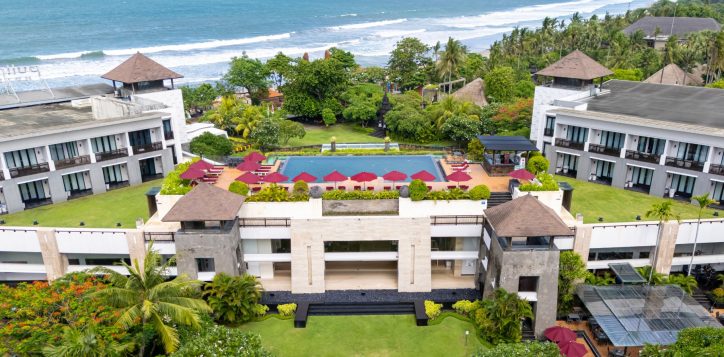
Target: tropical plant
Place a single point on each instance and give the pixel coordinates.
(537, 164)
(239, 187)
(145, 297)
(571, 272)
(211, 145)
(523, 349)
(432, 310)
(499, 318)
(418, 190)
(466, 307)
(233, 299)
(500, 84)
(600, 280)
(687, 283)
(664, 213)
(704, 201)
(312, 86)
(693, 341)
(545, 182)
(328, 117)
(276, 193)
(479, 192)
(476, 150)
(173, 184)
(266, 133)
(86, 343)
(198, 99)
(451, 59)
(301, 188)
(215, 340)
(653, 278)
(287, 309)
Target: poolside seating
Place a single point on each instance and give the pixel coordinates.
(450, 187)
(387, 188)
(371, 188)
(256, 189)
(398, 187)
(342, 188)
(357, 188)
(429, 188)
(329, 188)
(464, 187)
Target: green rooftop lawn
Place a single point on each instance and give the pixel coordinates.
(345, 133)
(618, 205)
(104, 210)
(379, 335)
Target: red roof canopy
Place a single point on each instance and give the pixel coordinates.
(459, 176)
(572, 349)
(335, 176)
(522, 174)
(364, 177)
(559, 334)
(423, 176)
(248, 166)
(394, 176)
(254, 156)
(201, 165)
(304, 177)
(275, 177)
(248, 178)
(192, 174)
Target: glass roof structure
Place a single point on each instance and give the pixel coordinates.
(626, 274)
(633, 315)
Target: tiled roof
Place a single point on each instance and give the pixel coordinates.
(679, 26)
(139, 68)
(205, 203)
(576, 65)
(526, 216)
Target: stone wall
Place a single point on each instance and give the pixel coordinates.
(224, 248)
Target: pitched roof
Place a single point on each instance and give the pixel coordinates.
(673, 74)
(472, 92)
(139, 68)
(506, 143)
(205, 203)
(576, 65)
(526, 216)
(679, 26)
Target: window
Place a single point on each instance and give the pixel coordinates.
(113, 174)
(569, 162)
(106, 261)
(718, 193)
(577, 134)
(550, 125)
(205, 265)
(692, 152)
(21, 158)
(641, 176)
(683, 185)
(644, 255)
(32, 191)
(614, 255)
(528, 283)
(74, 182)
(104, 144)
(651, 145)
(604, 169)
(167, 130)
(140, 138)
(148, 167)
(63, 151)
(612, 140)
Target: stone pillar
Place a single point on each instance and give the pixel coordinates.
(307, 264)
(661, 262)
(91, 154)
(458, 264)
(414, 268)
(136, 247)
(582, 240)
(128, 144)
(55, 263)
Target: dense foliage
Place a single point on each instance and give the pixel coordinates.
(524, 349)
(250, 74)
(695, 341)
(220, 341)
(572, 271)
(239, 187)
(276, 193)
(212, 145)
(537, 164)
(287, 309)
(233, 299)
(360, 195)
(543, 182)
(432, 310)
(479, 192)
(418, 190)
(173, 184)
(498, 318)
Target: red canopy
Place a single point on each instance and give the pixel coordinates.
(394, 176)
(459, 176)
(248, 166)
(423, 176)
(248, 177)
(304, 177)
(254, 156)
(275, 177)
(335, 176)
(192, 174)
(559, 334)
(522, 174)
(572, 349)
(201, 165)
(364, 177)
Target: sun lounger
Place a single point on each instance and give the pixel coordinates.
(371, 188)
(451, 187)
(342, 188)
(329, 188)
(387, 188)
(357, 188)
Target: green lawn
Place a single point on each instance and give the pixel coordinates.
(384, 335)
(345, 133)
(619, 205)
(104, 210)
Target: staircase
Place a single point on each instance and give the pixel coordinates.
(379, 133)
(528, 334)
(702, 299)
(362, 309)
(497, 198)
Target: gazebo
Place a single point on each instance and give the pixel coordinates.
(575, 69)
(139, 73)
(498, 160)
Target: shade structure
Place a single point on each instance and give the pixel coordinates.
(394, 176)
(364, 177)
(304, 177)
(249, 178)
(522, 174)
(423, 176)
(335, 176)
(559, 334)
(248, 166)
(254, 156)
(192, 174)
(459, 176)
(275, 177)
(201, 165)
(572, 349)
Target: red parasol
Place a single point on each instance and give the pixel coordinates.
(522, 174)
(275, 177)
(192, 174)
(572, 349)
(459, 176)
(304, 177)
(248, 178)
(248, 166)
(394, 176)
(201, 165)
(559, 334)
(423, 176)
(364, 177)
(254, 156)
(335, 176)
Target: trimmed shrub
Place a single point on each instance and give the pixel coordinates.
(210, 144)
(240, 188)
(537, 164)
(260, 310)
(301, 188)
(276, 193)
(287, 309)
(432, 310)
(465, 307)
(360, 195)
(547, 183)
(405, 191)
(316, 192)
(328, 117)
(215, 340)
(418, 190)
(479, 192)
(447, 195)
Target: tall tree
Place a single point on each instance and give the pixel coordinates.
(571, 272)
(451, 60)
(250, 74)
(408, 63)
(279, 68)
(704, 201)
(313, 86)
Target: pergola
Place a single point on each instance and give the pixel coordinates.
(498, 161)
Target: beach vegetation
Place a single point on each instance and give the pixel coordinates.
(211, 145)
(451, 60)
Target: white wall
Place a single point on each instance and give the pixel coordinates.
(309, 209)
(428, 208)
(20, 240)
(552, 199)
(92, 241)
(629, 235)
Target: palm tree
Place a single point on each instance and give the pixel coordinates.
(451, 59)
(654, 277)
(144, 296)
(664, 213)
(687, 282)
(86, 343)
(703, 201)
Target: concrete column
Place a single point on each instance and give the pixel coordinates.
(625, 145)
(414, 268)
(266, 269)
(90, 150)
(661, 261)
(662, 160)
(4, 166)
(709, 158)
(582, 240)
(51, 163)
(55, 263)
(307, 265)
(57, 189)
(458, 264)
(98, 184)
(128, 144)
(134, 171)
(136, 247)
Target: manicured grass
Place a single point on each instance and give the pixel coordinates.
(384, 335)
(104, 210)
(619, 205)
(345, 133)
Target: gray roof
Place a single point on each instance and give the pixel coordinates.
(526, 216)
(58, 95)
(576, 65)
(507, 143)
(682, 26)
(139, 68)
(673, 75)
(205, 203)
(680, 104)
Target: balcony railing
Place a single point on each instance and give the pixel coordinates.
(112, 154)
(145, 178)
(74, 161)
(642, 156)
(713, 169)
(168, 135)
(548, 131)
(455, 220)
(685, 164)
(565, 143)
(140, 149)
(601, 149)
(159, 236)
(265, 222)
(29, 170)
(118, 184)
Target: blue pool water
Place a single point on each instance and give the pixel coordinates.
(321, 166)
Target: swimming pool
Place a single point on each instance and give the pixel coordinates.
(321, 166)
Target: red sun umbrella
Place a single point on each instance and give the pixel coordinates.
(275, 177)
(522, 174)
(248, 166)
(572, 349)
(559, 334)
(192, 174)
(201, 165)
(394, 176)
(423, 176)
(304, 177)
(459, 176)
(364, 177)
(254, 156)
(249, 178)
(335, 176)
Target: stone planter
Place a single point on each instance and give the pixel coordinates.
(360, 207)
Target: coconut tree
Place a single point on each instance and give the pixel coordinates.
(686, 282)
(145, 297)
(451, 59)
(663, 212)
(654, 277)
(86, 343)
(704, 201)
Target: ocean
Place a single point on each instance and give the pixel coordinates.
(75, 41)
